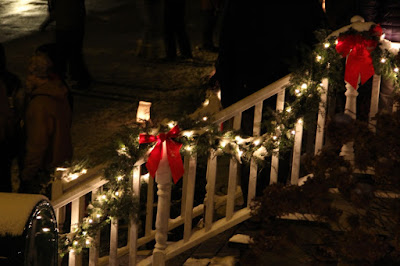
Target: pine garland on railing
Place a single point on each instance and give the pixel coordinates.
(199, 137)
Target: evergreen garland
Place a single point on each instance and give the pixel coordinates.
(199, 137)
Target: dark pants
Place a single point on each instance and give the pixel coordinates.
(174, 29)
(209, 18)
(70, 56)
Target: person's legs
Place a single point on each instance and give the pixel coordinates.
(169, 34)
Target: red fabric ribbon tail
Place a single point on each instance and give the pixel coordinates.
(175, 160)
(154, 159)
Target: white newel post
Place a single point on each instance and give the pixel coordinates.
(163, 179)
(350, 109)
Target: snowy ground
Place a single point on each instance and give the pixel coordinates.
(125, 71)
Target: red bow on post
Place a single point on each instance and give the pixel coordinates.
(174, 157)
(359, 61)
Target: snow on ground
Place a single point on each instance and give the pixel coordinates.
(15, 210)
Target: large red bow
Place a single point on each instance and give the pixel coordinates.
(359, 61)
(174, 157)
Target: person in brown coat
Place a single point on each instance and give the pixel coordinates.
(10, 115)
(47, 125)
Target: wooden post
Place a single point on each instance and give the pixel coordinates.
(94, 250)
(253, 165)
(189, 198)
(350, 109)
(113, 259)
(280, 104)
(210, 190)
(297, 152)
(163, 179)
(373, 110)
(133, 227)
(319, 137)
(77, 212)
(233, 175)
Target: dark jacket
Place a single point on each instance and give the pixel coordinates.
(259, 42)
(384, 12)
(70, 14)
(47, 122)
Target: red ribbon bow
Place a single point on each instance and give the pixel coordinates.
(359, 61)
(174, 157)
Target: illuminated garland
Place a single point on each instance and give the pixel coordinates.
(199, 137)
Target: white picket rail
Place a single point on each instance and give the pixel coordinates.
(233, 213)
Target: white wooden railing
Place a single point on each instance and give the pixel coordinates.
(74, 194)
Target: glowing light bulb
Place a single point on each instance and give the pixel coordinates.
(300, 121)
(84, 171)
(98, 215)
(383, 60)
(327, 44)
(171, 124)
(39, 217)
(293, 132)
(84, 233)
(87, 242)
(336, 42)
(256, 142)
(205, 118)
(119, 178)
(104, 197)
(75, 243)
(188, 134)
(188, 148)
(240, 153)
(396, 69)
(289, 109)
(304, 86)
(297, 91)
(90, 221)
(45, 229)
(319, 58)
(223, 143)
(206, 102)
(274, 137)
(116, 193)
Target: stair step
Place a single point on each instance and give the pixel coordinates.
(226, 261)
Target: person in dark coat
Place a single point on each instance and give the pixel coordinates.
(70, 16)
(11, 102)
(210, 12)
(47, 125)
(261, 42)
(175, 30)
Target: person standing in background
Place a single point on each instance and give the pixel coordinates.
(47, 125)
(210, 12)
(175, 30)
(70, 16)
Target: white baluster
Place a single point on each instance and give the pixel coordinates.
(210, 189)
(319, 137)
(189, 198)
(133, 228)
(94, 249)
(113, 258)
(163, 179)
(149, 206)
(233, 175)
(350, 109)
(376, 87)
(186, 161)
(253, 165)
(77, 211)
(297, 152)
(280, 104)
